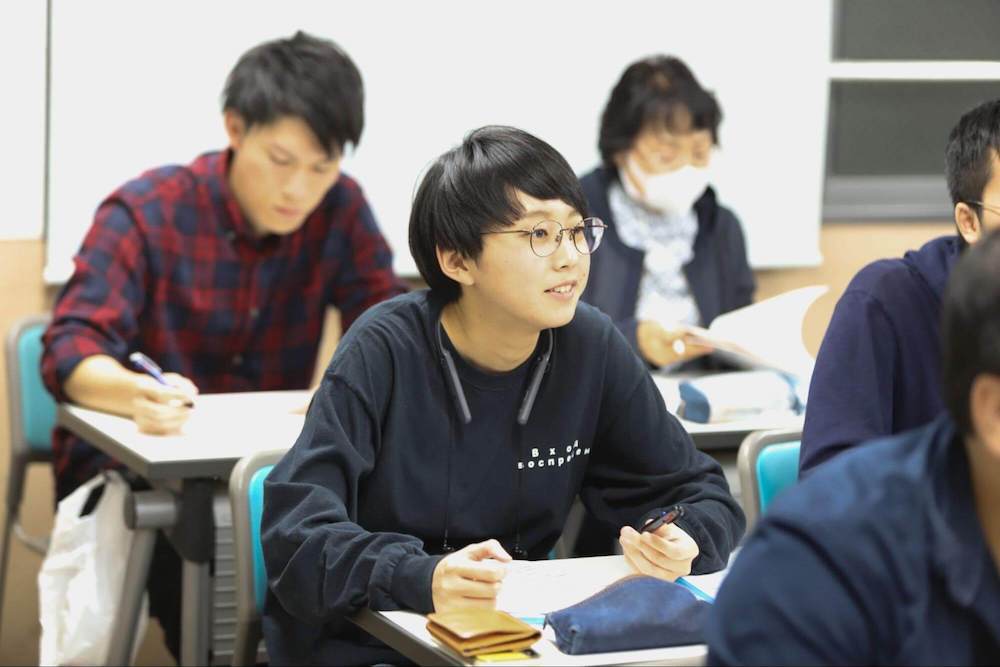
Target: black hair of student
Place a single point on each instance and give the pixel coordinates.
(971, 325)
(472, 189)
(972, 143)
(304, 77)
(655, 91)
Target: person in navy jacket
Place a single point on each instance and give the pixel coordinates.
(889, 554)
(454, 427)
(878, 369)
(672, 254)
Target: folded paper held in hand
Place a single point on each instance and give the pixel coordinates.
(472, 632)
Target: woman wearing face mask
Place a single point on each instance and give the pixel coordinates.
(672, 256)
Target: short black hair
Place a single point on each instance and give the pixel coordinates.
(972, 143)
(658, 90)
(971, 325)
(473, 188)
(304, 77)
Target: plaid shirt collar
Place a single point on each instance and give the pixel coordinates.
(228, 209)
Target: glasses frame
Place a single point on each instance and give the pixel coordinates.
(988, 207)
(574, 233)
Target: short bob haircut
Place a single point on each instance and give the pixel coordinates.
(658, 91)
(972, 143)
(472, 189)
(971, 326)
(303, 77)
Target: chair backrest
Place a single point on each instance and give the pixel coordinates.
(246, 493)
(768, 463)
(32, 408)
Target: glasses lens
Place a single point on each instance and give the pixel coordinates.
(589, 235)
(545, 238)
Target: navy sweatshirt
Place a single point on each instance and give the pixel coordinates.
(877, 558)
(718, 275)
(878, 370)
(384, 471)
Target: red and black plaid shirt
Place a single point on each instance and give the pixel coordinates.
(171, 268)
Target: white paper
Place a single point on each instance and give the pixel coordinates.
(766, 334)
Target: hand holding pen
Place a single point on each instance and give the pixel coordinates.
(163, 401)
(660, 548)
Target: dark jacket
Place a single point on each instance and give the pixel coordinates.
(384, 474)
(878, 558)
(718, 275)
(878, 370)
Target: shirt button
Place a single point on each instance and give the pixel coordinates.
(230, 236)
(237, 359)
(254, 312)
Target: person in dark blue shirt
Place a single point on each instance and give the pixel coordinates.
(673, 255)
(454, 427)
(889, 554)
(878, 369)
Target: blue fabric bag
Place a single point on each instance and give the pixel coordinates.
(633, 613)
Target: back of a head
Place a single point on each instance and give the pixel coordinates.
(472, 189)
(304, 77)
(971, 325)
(972, 144)
(655, 91)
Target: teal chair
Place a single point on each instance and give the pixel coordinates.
(246, 494)
(768, 463)
(32, 415)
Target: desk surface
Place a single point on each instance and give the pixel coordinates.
(225, 427)
(531, 589)
(222, 429)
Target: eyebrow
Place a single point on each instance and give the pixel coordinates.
(327, 159)
(549, 214)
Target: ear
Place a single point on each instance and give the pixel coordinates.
(456, 266)
(968, 223)
(984, 410)
(236, 128)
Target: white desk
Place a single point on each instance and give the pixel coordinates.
(533, 589)
(188, 470)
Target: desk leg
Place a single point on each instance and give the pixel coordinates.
(196, 613)
(145, 513)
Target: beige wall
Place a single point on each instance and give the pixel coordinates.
(845, 248)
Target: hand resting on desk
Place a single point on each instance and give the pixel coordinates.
(666, 553)
(470, 577)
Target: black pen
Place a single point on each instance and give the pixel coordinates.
(666, 517)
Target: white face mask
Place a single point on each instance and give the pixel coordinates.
(673, 192)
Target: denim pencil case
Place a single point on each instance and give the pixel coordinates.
(633, 613)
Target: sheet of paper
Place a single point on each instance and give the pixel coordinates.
(534, 588)
(767, 333)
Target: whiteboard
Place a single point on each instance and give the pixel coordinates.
(22, 115)
(138, 84)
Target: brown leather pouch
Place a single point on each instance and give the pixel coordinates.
(472, 632)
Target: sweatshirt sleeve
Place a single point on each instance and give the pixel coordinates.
(644, 461)
(321, 565)
(851, 392)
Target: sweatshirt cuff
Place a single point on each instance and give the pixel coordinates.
(411, 582)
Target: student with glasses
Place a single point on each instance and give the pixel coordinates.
(455, 426)
(674, 255)
(878, 369)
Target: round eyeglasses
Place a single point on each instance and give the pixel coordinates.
(546, 237)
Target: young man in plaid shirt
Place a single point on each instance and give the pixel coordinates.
(222, 270)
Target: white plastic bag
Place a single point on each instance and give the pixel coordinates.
(81, 578)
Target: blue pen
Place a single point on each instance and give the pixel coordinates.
(148, 366)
